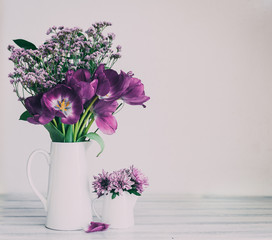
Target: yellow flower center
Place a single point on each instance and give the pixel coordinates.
(63, 105)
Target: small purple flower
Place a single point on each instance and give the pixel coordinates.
(49, 31)
(81, 82)
(64, 102)
(97, 226)
(103, 87)
(41, 114)
(104, 119)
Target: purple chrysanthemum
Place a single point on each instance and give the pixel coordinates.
(121, 181)
(141, 181)
(102, 183)
(130, 179)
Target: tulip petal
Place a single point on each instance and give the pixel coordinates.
(136, 91)
(81, 82)
(102, 107)
(107, 124)
(118, 84)
(41, 114)
(103, 87)
(85, 90)
(69, 76)
(137, 100)
(83, 75)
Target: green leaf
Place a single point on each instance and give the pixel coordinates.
(64, 69)
(81, 139)
(134, 191)
(55, 134)
(81, 34)
(69, 134)
(95, 137)
(25, 44)
(25, 115)
(113, 195)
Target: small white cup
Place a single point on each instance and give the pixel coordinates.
(118, 212)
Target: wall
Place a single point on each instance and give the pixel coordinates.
(206, 65)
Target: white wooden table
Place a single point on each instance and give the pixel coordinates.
(156, 217)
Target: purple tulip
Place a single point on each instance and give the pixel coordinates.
(124, 86)
(82, 75)
(65, 103)
(97, 226)
(118, 84)
(104, 119)
(103, 87)
(41, 114)
(134, 94)
(81, 82)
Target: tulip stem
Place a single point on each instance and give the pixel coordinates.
(75, 132)
(54, 121)
(79, 123)
(84, 124)
(63, 128)
(88, 126)
(119, 108)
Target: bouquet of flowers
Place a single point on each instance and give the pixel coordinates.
(130, 179)
(68, 83)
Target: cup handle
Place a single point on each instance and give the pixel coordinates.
(29, 163)
(94, 210)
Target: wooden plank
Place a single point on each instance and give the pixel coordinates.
(156, 217)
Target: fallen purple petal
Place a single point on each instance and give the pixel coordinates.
(97, 226)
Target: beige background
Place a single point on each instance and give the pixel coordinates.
(207, 67)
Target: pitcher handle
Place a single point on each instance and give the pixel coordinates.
(29, 163)
(94, 210)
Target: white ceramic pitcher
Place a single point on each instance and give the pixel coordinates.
(68, 201)
(118, 212)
